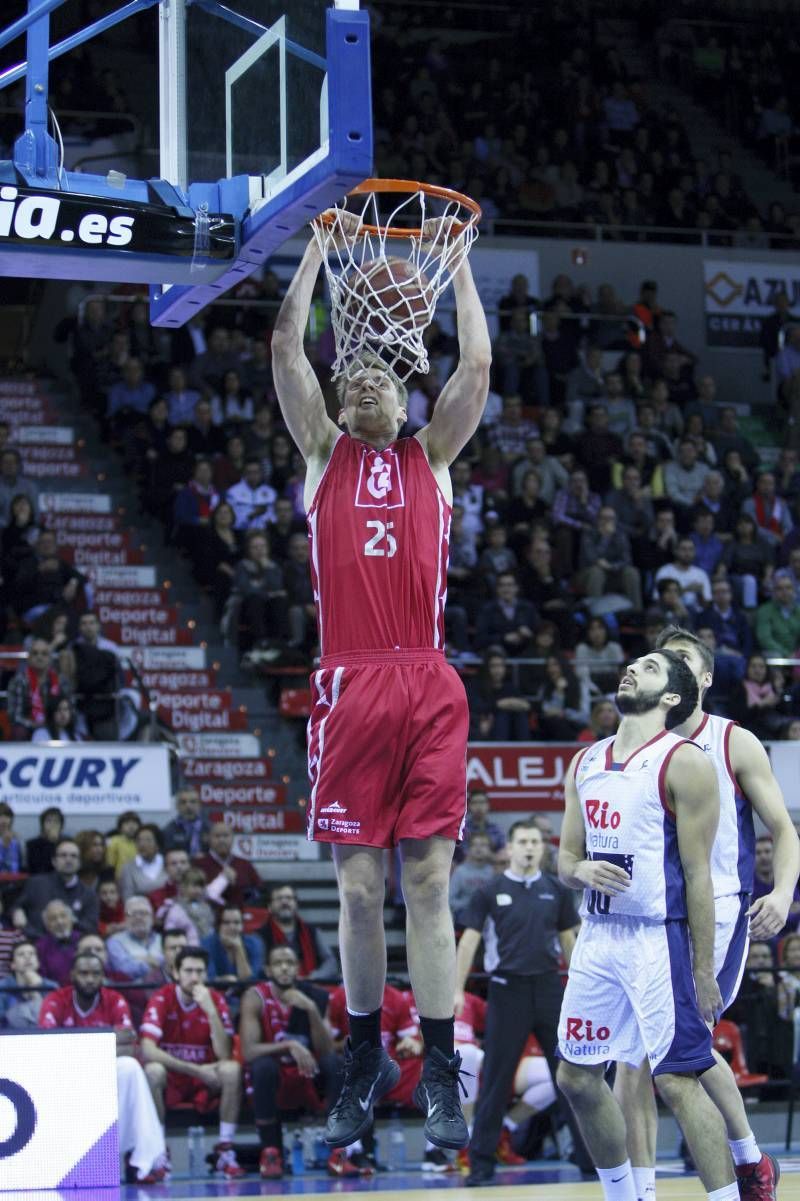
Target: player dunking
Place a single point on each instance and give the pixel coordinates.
(388, 728)
(746, 783)
(641, 814)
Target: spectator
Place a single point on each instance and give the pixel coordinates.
(756, 1010)
(180, 398)
(111, 908)
(233, 956)
(597, 447)
(778, 621)
(121, 846)
(132, 394)
(561, 717)
(39, 851)
(20, 1010)
(189, 830)
(230, 880)
(769, 511)
(94, 869)
(605, 562)
(619, 407)
(731, 628)
(560, 357)
(204, 438)
(187, 910)
(46, 583)
(787, 474)
(468, 495)
(61, 884)
(176, 865)
(60, 722)
(135, 953)
(517, 356)
(586, 384)
(518, 297)
(603, 722)
(31, 688)
(787, 363)
(209, 368)
(545, 592)
(499, 712)
(97, 680)
(759, 701)
(187, 1038)
(631, 503)
(168, 475)
(218, 549)
(56, 948)
(284, 927)
(506, 620)
(289, 1050)
(259, 596)
(728, 438)
(598, 659)
(194, 506)
(575, 510)
(479, 821)
(229, 467)
(232, 406)
(172, 942)
(252, 500)
(10, 845)
(145, 872)
(712, 497)
(84, 1002)
(552, 473)
(259, 434)
(708, 548)
(477, 867)
(663, 342)
(694, 582)
(13, 484)
(18, 538)
(748, 560)
(771, 329)
(684, 477)
(302, 611)
(496, 558)
(764, 882)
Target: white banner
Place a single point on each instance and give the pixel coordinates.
(122, 577)
(219, 746)
(785, 759)
(275, 847)
(49, 435)
(75, 502)
(58, 1111)
(737, 295)
(87, 778)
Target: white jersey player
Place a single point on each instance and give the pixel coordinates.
(641, 812)
(746, 785)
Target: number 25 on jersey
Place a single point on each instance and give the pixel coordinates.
(382, 543)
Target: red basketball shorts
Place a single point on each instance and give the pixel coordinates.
(387, 743)
(183, 1089)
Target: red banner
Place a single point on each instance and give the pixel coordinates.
(520, 776)
(288, 820)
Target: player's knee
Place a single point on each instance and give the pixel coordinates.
(230, 1072)
(362, 900)
(156, 1075)
(574, 1080)
(426, 886)
(672, 1088)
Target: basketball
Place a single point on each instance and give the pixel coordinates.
(389, 293)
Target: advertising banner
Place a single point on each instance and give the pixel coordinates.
(213, 745)
(287, 820)
(87, 778)
(58, 1099)
(75, 502)
(737, 295)
(277, 848)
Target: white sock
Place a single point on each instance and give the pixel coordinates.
(227, 1132)
(354, 1148)
(618, 1182)
(645, 1181)
(745, 1150)
(729, 1193)
(510, 1124)
(429, 1146)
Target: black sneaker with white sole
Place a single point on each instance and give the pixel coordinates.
(437, 1096)
(369, 1074)
(437, 1161)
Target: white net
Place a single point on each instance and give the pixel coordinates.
(386, 266)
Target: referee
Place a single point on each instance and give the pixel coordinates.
(523, 915)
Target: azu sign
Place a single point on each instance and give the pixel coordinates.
(89, 778)
(738, 295)
(520, 776)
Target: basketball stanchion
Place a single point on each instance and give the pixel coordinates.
(387, 269)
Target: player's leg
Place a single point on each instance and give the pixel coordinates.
(265, 1073)
(601, 1124)
(229, 1088)
(703, 1130)
(156, 1075)
(369, 1073)
(548, 995)
(431, 951)
(140, 1131)
(633, 1088)
(472, 1058)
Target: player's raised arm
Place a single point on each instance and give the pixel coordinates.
(457, 412)
(693, 789)
(299, 394)
(755, 777)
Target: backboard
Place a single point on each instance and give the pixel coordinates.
(265, 120)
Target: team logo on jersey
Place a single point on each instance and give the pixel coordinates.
(584, 1031)
(380, 485)
(599, 817)
(334, 807)
(324, 823)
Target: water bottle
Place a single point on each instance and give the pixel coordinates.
(397, 1145)
(298, 1162)
(321, 1149)
(196, 1138)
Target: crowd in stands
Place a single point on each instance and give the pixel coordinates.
(551, 127)
(160, 933)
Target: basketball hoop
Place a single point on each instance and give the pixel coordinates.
(386, 268)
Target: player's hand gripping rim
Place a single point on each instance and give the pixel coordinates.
(603, 877)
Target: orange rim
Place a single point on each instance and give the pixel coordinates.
(408, 185)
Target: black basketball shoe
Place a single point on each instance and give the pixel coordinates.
(369, 1073)
(437, 1096)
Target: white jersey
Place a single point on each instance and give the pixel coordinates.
(628, 823)
(733, 853)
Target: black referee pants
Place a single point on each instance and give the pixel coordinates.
(517, 1007)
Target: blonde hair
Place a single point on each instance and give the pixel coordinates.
(366, 361)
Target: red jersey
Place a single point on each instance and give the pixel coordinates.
(183, 1030)
(398, 1020)
(379, 528)
(472, 1021)
(60, 1010)
(274, 1015)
